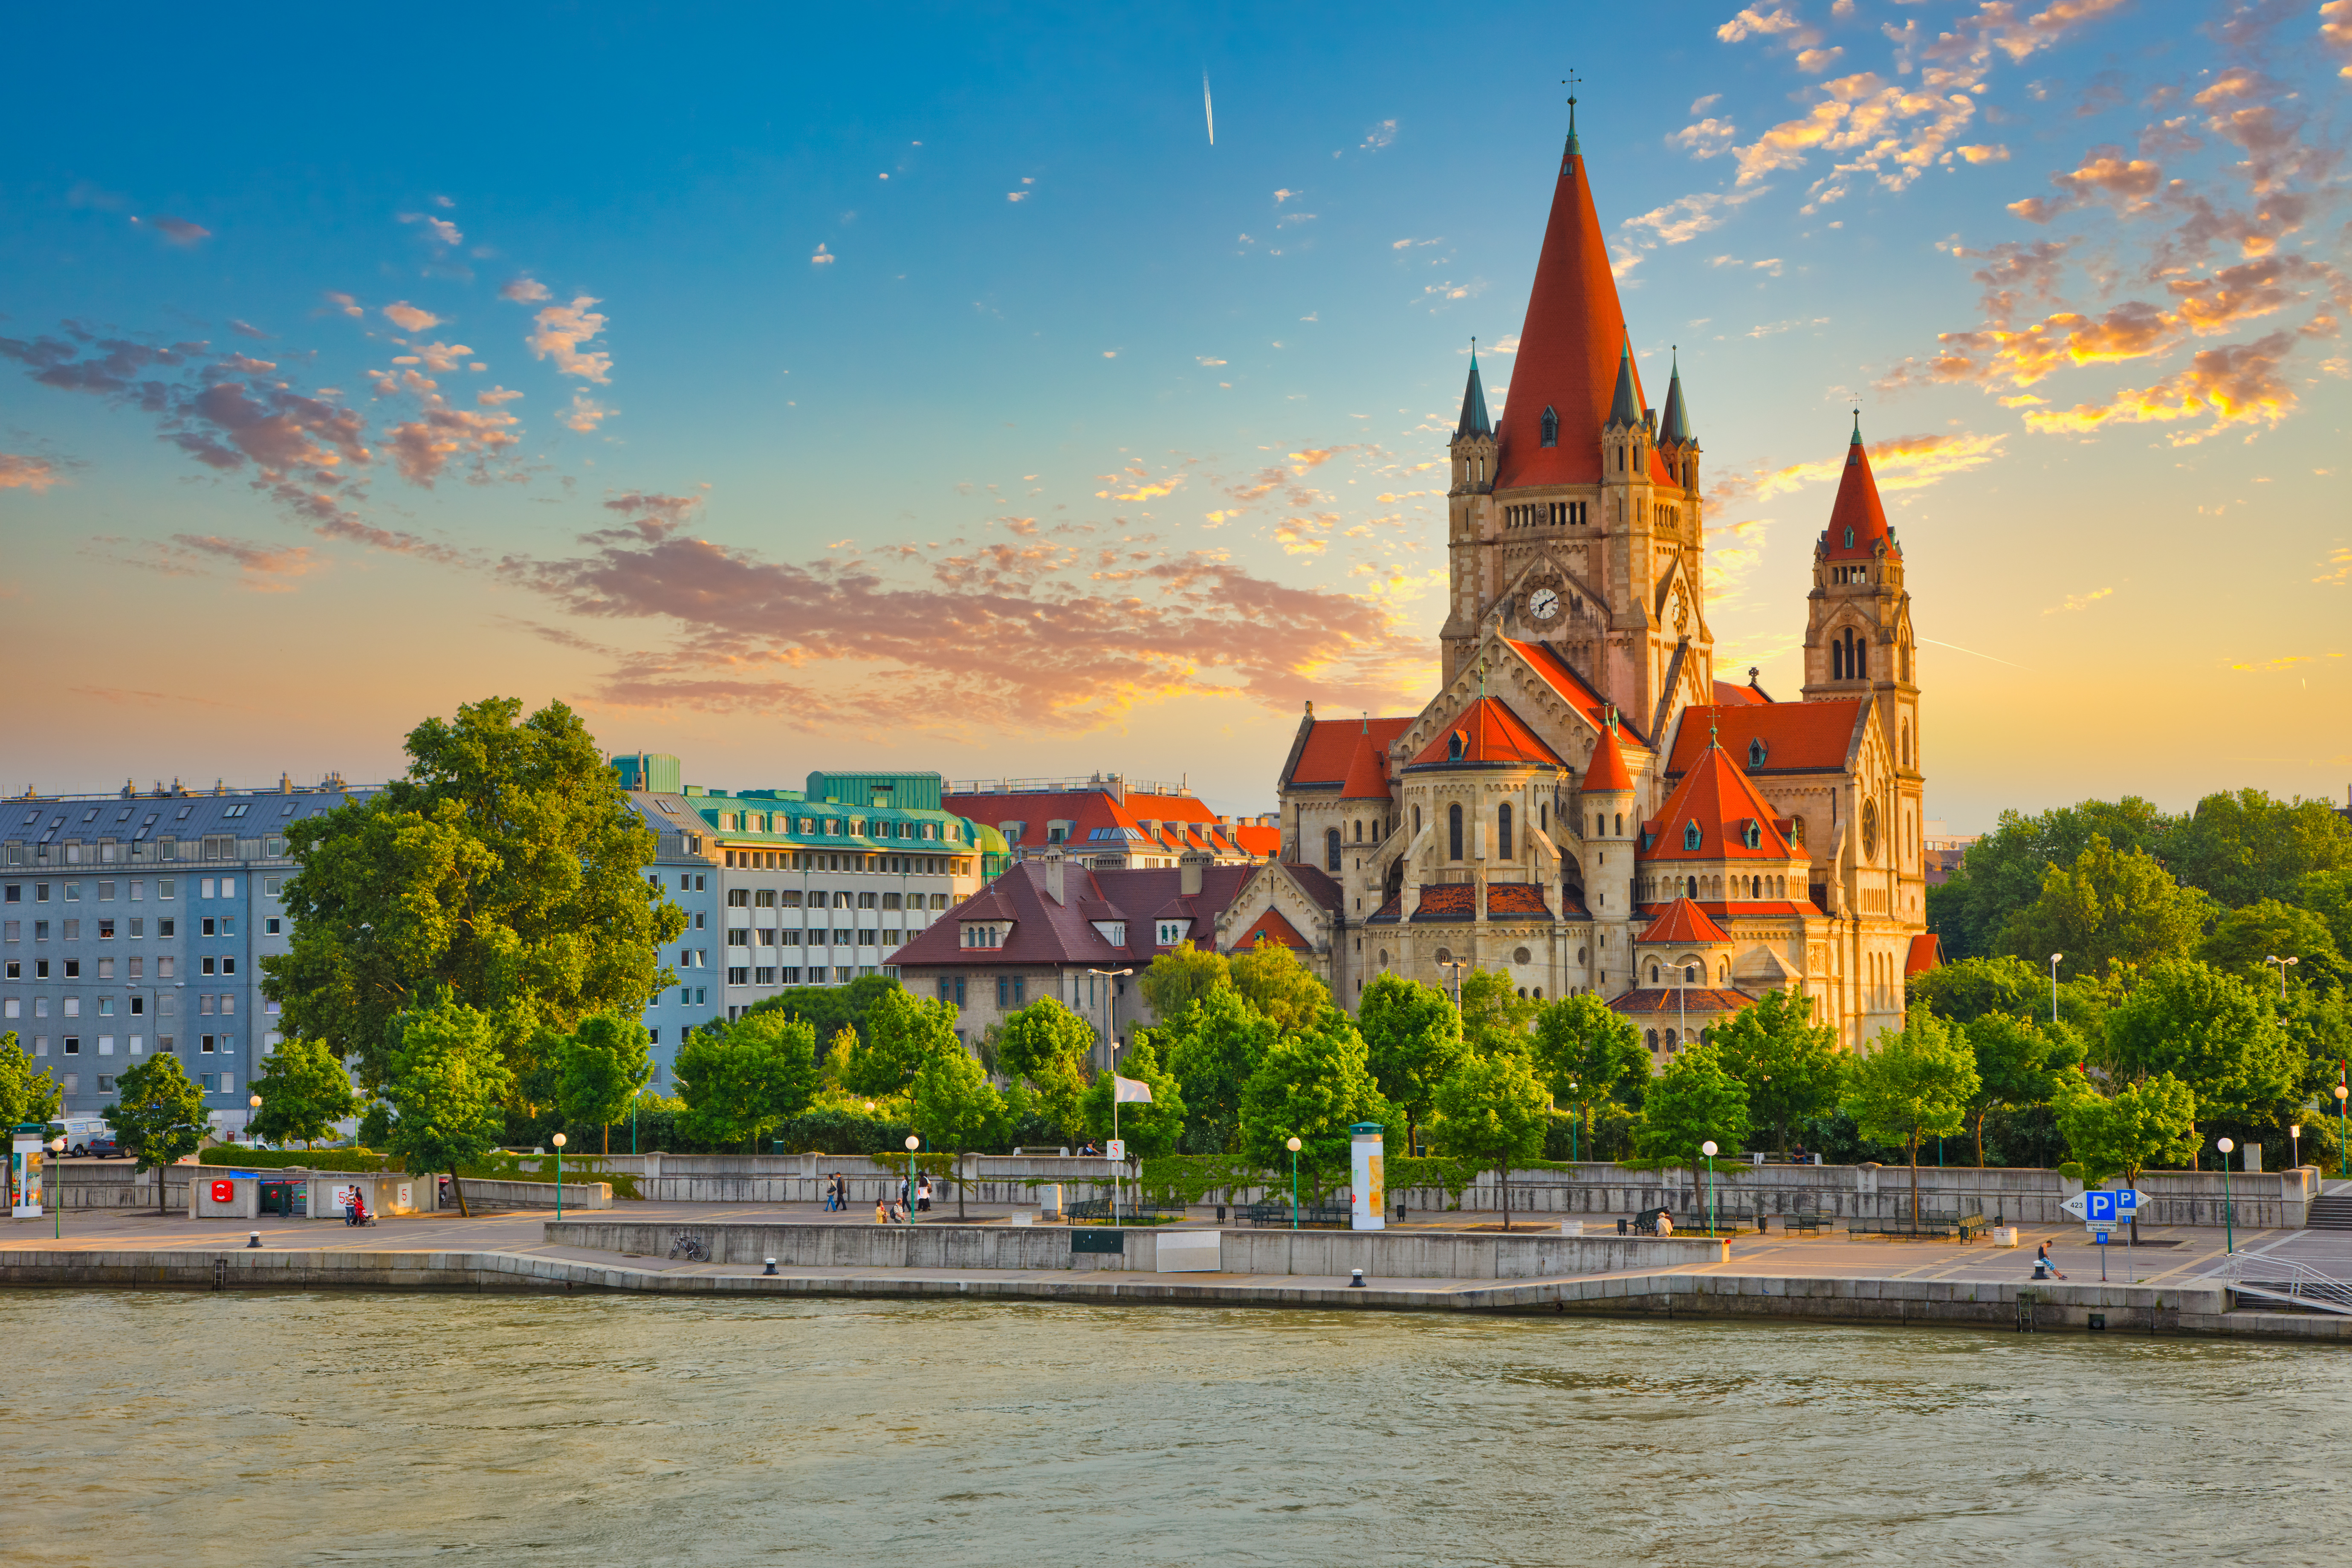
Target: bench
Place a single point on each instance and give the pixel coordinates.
(1964, 1226)
(1103, 1211)
(1805, 1224)
(1278, 1215)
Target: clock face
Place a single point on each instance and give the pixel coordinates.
(1544, 604)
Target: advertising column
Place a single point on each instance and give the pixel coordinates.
(24, 1156)
(1364, 1150)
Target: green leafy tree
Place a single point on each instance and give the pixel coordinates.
(1492, 1108)
(304, 1092)
(26, 1095)
(2244, 940)
(827, 1009)
(1046, 1046)
(505, 873)
(956, 1107)
(2328, 895)
(1791, 1066)
(1413, 1037)
(1315, 1084)
(738, 1079)
(1213, 1047)
(2245, 846)
(903, 1032)
(2214, 1032)
(1272, 980)
(2021, 1063)
(1585, 1052)
(1964, 992)
(159, 1115)
(1150, 1131)
(2109, 907)
(1695, 1101)
(1917, 1083)
(603, 1065)
(446, 1084)
(2003, 872)
(1182, 976)
(1495, 1016)
(2142, 1124)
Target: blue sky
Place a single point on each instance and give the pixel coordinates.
(921, 388)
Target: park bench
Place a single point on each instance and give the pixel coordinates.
(1144, 1211)
(1805, 1222)
(1278, 1215)
(1964, 1226)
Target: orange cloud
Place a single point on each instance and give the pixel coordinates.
(2238, 384)
(563, 329)
(18, 472)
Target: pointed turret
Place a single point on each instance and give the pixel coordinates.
(1624, 403)
(1366, 778)
(1673, 426)
(1858, 520)
(1474, 421)
(1606, 774)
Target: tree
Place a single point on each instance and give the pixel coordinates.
(2328, 895)
(1150, 1131)
(1213, 1047)
(738, 1079)
(1495, 1016)
(2110, 906)
(903, 1032)
(2214, 1032)
(2244, 940)
(446, 1083)
(1697, 1100)
(1584, 1050)
(955, 1107)
(601, 1066)
(159, 1116)
(2122, 1135)
(26, 1095)
(1964, 992)
(505, 873)
(1314, 1085)
(829, 1009)
(2003, 872)
(2019, 1063)
(1182, 976)
(1413, 1037)
(1046, 1046)
(2245, 846)
(1491, 1109)
(1916, 1084)
(304, 1092)
(1272, 980)
(1791, 1066)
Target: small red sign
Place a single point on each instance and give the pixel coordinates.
(223, 1192)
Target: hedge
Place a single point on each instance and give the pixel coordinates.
(300, 1159)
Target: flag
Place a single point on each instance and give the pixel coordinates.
(1126, 1090)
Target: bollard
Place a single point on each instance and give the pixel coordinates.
(1358, 1282)
(253, 1241)
(771, 1266)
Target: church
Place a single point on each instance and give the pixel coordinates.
(1583, 804)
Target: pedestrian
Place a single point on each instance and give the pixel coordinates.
(840, 1191)
(923, 1195)
(1666, 1222)
(2042, 1266)
(881, 1212)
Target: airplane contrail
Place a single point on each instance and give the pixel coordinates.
(1208, 109)
(1957, 648)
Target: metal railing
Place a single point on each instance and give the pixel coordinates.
(2282, 1279)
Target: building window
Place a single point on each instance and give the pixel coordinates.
(1753, 835)
(1454, 832)
(1503, 833)
(1691, 836)
(1756, 753)
(1332, 849)
(1004, 993)
(1550, 427)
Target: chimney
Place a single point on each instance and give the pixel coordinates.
(1188, 871)
(1056, 889)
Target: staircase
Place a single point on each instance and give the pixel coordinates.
(2280, 1279)
(2332, 1211)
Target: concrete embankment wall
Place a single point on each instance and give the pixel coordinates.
(1392, 1255)
(1904, 1303)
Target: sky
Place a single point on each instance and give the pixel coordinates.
(1032, 390)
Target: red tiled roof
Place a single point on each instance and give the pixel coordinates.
(1740, 908)
(1731, 694)
(1275, 929)
(1805, 737)
(1368, 777)
(1926, 954)
(1857, 508)
(1722, 801)
(1673, 1001)
(1255, 838)
(1547, 662)
(1388, 914)
(1331, 745)
(1491, 733)
(1448, 902)
(1682, 921)
(1046, 932)
(1103, 821)
(1607, 772)
(1507, 898)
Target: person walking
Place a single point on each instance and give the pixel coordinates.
(923, 1195)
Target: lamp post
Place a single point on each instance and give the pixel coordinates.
(2340, 1130)
(1110, 1051)
(1294, 1146)
(253, 1102)
(558, 1141)
(2282, 963)
(58, 1205)
(1576, 1123)
(1707, 1149)
(913, 1144)
(2294, 1140)
(1456, 966)
(2228, 1215)
(2053, 985)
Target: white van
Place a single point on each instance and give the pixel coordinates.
(86, 1133)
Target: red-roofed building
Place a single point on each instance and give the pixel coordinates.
(1110, 823)
(1582, 804)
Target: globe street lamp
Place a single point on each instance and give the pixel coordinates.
(1707, 1149)
(2228, 1215)
(2340, 1130)
(2295, 1140)
(1576, 1123)
(2053, 985)
(913, 1144)
(2282, 963)
(1293, 1147)
(558, 1141)
(253, 1103)
(58, 1205)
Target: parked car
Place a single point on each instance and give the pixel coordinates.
(84, 1136)
(104, 1146)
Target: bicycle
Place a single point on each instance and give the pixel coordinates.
(696, 1249)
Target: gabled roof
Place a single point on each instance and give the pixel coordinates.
(1050, 934)
(1857, 519)
(1681, 923)
(1330, 745)
(1103, 820)
(1798, 737)
(1927, 952)
(1490, 734)
(1368, 777)
(1674, 1001)
(1274, 929)
(1722, 802)
(1561, 677)
(1730, 694)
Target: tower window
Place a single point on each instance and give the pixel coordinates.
(1454, 833)
(1754, 835)
(1502, 832)
(1332, 849)
(1551, 437)
(1756, 753)
(1454, 752)
(1849, 537)
(1691, 836)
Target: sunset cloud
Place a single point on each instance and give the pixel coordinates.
(444, 232)
(18, 472)
(524, 291)
(176, 231)
(1902, 463)
(563, 329)
(2077, 601)
(266, 567)
(2235, 385)
(585, 415)
(423, 447)
(410, 318)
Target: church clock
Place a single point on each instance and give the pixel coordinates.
(1543, 604)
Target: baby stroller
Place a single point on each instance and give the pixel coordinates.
(356, 1211)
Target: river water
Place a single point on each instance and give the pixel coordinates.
(251, 1429)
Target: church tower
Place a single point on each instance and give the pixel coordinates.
(1468, 502)
(1858, 637)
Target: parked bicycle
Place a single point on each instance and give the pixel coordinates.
(696, 1249)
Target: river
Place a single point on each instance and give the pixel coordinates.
(249, 1430)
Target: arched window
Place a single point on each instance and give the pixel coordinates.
(1600, 824)
(1331, 850)
(1550, 427)
(1907, 742)
(1690, 973)
(1359, 830)
(1756, 753)
(1502, 833)
(1416, 821)
(1690, 887)
(1651, 1036)
(1671, 1042)
(1654, 974)
(1752, 834)
(1454, 833)
(1797, 831)
(1837, 656)
(1691, 836)
(1860, 659)
(1621, 825)
(1849, 537)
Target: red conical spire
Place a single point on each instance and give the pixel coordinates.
(1569, 348)
(1367, 779)
(1857, 522)
(1607, 773)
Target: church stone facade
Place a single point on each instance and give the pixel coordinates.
(1582, 804)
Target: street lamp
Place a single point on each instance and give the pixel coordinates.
(2053, 985)
(2295, 1139)
(2229, 1215)
(2339, 1128)
(2282, 963)
(1457, 965)
(254, 1102)
(558, 1141)
(1110, 1050)
(1576, 1123)
(1707, 1149)
(1293, 1147)
(913, 1144)
(58, 1205)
